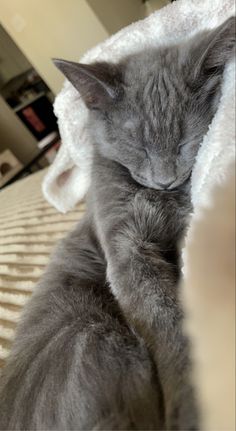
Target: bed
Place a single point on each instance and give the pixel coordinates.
(29, 229)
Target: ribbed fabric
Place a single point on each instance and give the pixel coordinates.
(29, 229)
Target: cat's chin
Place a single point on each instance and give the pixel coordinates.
(181, 182)
(142, 181)
(178, 184)
(145, 183)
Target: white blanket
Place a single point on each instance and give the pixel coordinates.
(68, 178)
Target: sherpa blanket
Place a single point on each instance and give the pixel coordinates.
(68, 178)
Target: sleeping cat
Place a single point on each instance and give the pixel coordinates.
(100, 345)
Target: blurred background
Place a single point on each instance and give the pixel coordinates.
(31, 33)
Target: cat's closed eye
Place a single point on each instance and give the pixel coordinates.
(130, 128)
(128, 125)
(183, 148)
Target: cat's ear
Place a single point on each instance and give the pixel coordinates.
(212, 50)
(99, 84)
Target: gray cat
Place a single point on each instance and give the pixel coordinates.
(100, 345)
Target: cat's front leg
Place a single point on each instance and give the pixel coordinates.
(143, 274)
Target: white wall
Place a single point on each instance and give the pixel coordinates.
(51, 28)
(153, 5)
(115, 14)
(12, 61)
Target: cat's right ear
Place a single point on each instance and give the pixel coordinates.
(99, 84)
(211, 51)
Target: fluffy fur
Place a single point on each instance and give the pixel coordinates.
(146, 134)
(75, 364)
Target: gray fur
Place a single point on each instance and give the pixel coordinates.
(75, 364)
(107, 308)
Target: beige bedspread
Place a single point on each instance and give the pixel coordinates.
(29, 229)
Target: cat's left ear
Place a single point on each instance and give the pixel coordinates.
(99, 84)
(212, 50)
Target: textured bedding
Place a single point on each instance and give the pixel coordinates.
(29, 229)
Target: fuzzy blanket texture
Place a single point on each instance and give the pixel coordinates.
(68, 179)
(29, 229)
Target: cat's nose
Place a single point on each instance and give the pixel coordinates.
(165, 185)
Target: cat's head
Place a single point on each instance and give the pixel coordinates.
(150, 112)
